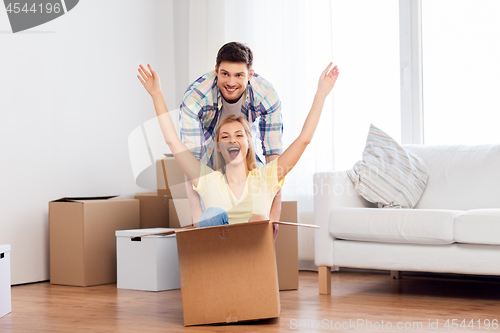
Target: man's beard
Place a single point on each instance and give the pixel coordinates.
(232, 101)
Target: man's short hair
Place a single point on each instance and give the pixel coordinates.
(235, 52)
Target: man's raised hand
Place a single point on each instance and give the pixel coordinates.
(150, 80)
(327, 80)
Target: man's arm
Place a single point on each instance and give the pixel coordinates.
(271, 129)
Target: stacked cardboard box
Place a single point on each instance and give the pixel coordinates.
(287, 250)
(82, 238)
(170, 181)
(170, 177)
(154, 209)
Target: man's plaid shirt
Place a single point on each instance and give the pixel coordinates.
(201, 109)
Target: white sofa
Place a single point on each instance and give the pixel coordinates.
(454, 228)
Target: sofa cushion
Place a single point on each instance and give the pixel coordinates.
(388, 174)
(478, 226)
(460, 177)
(407, 226)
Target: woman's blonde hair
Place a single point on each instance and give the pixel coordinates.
(219, 163)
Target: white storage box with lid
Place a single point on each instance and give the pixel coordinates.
(5, 298)
(147, 263)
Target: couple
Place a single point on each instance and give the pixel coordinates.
(217, 130)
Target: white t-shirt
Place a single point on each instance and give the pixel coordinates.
(232, 108)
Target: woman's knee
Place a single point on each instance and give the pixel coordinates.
(213, 216)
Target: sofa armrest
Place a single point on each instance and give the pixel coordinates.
(331, 189)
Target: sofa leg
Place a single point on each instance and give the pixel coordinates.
(325, 280)
(396, 275)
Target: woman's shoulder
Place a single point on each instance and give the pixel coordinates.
(265, 169)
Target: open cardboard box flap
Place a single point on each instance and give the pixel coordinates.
(170, 232)
(78, 199)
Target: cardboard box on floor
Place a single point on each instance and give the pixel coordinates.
(228, 273)
(287, 250)
(153, 209)
(170, 178)
(82, 238)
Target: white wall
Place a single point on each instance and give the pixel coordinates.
(69, 97)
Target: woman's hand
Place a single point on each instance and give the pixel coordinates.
(327, 80)
(150, 81)
(275, 231)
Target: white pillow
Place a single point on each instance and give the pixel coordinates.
(388, 174)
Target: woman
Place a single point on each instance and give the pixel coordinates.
(237, 191)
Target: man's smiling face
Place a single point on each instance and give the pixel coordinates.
(232, 79)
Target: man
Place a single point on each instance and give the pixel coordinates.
(233, 88)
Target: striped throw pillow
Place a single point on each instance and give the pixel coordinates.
(388, 175)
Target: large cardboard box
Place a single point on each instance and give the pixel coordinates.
(147, 263)
(153, 209)
(287, 250)
(82, 238)
(170, 179)
(179, 213)
(5, 294)
(228, 273)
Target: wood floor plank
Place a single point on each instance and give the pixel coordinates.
(355, 297)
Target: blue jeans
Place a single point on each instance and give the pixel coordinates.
(213, 216)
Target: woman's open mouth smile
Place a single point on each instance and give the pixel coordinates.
(233, 152)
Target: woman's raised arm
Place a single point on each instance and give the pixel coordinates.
(292, 154)
(189, 164)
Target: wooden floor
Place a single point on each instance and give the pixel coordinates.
(356, 297)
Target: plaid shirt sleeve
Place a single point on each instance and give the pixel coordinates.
(271, 123)
(191, 128)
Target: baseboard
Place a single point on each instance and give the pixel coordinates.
(30, 282)
(307, 265)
